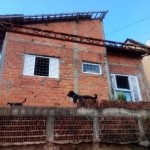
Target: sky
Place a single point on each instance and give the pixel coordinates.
(125, 19)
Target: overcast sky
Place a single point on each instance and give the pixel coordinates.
(122, 13)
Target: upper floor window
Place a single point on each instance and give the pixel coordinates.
(91, 68)
(41, 66)
(128, 85)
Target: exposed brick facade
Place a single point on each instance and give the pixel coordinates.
(128, 64)
(43, 91)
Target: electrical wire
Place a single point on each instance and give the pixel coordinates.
(127, 26)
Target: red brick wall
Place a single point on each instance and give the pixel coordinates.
(43, 91)
(128, 64)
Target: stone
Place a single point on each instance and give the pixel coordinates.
(144, 143)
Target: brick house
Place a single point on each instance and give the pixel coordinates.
(145, 63)
(44, 70)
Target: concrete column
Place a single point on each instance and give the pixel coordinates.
(106, 60)
(143, 139)
(50, 129)
(76, 74)
(141, 129)
(95, 130)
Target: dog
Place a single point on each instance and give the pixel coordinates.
(16, 104)
(81, 97)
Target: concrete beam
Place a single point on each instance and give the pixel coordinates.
(67, 111)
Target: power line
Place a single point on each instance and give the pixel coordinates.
(128, 26)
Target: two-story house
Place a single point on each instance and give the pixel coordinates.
(43, 70)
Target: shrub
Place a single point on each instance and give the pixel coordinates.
(119, 96)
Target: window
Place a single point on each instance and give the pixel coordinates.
(122, 82)
(128, 84)
(41, 66)
(91, 68)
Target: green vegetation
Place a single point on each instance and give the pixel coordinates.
(119, 96)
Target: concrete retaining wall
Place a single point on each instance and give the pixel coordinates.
(73, 125)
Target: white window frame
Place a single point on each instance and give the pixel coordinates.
(92, 64)
(130, 85)
(29, 65)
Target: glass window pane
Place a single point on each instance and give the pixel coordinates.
(91, 68)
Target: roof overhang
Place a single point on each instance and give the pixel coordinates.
(129, 41)
(48, 18)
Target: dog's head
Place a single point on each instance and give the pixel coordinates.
(70, 94)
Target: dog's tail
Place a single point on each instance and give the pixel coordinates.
(24, 100)
(95, 96)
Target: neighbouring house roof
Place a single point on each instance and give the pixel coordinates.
(130, 46)
(47, 18)
(139, 47)
(128, 41)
